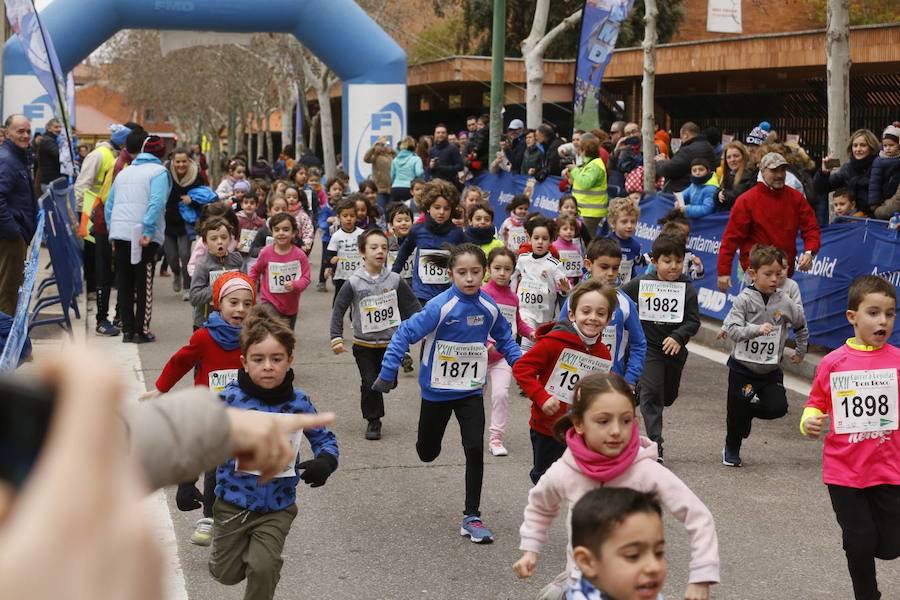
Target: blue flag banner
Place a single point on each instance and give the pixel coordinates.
(600, 22)
(849, 249)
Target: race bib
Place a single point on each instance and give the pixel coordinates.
(572, 262)
(609, 339)
(459, 366)
(625, 269)
(509, 313)
(219, 379)
(213, 275)
(570, 367)
(515, 237)
(347, 263)
(247, 236)
(431, 273)
(407, 271)
(290, 469)
(377, 313)
(534, 294)
(762, 350)
(661, 301)
(269, 240)
(280, 273)
(864, 401)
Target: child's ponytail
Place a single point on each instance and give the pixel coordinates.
(586, 392)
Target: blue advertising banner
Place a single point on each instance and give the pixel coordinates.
(600, 22)
(849, 249)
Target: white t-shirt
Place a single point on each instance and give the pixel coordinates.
(346, 246)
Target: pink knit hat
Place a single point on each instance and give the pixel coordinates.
(230, 282)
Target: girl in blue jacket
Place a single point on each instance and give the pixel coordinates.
(455, 326)
(253, 517)
(428, 240)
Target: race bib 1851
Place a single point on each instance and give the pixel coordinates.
(661, 301)
(458, 366)
(347, 263)
(570, 367)
(377, 313)
(864, 401)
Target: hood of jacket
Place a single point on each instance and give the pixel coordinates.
(406, 158)
(563, 331)
(189, 177)
(145, 158)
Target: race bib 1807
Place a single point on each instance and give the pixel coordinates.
(661, 301)
(864, 401)
(407, 271)
(289, 470)
(377, 313)
(572, 262)
(430, 273)
(219, 379)
(458, 366)
(280, 273)
(762, 350)
(570, 367)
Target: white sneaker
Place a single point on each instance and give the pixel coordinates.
(202, 535)
(498, 449)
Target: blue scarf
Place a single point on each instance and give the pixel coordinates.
(225, 335)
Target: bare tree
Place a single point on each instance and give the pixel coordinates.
(320, 78)
(533, 49)
(648, 86)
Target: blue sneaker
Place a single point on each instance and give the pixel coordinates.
(731, 457)
(107, 329)
(474, 529)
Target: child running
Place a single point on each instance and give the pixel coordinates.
(568, 205)
(758, 325)
(328, 223)
(275, 205)
(512, 230)
(670, 315)
(218, 237)
(623, 218)
(455, 325)
(564, 353)
(381, 299)
(250, 223)
(605, 449)
(501, 266)
(481, 230)
(253, 517)
(343, 248)
(284, 270)
(856, 385)
(569, 248)
(619, 546)
(214, 352)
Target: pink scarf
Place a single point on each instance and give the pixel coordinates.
(595, 465)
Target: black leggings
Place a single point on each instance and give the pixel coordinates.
(433, 419)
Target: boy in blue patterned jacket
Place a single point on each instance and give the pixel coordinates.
(252, 517)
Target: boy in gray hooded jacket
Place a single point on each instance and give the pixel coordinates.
(758, 325)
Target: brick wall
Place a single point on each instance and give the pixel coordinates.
(758, 16)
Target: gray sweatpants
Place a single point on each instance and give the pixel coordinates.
(659, 385)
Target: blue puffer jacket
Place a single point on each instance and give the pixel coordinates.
(406, 167)
(18, 210)
(325, 213)
(242, 489)
(421, 237)
(700, 199)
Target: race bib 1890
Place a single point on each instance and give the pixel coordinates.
(864, 401)
(534, 294)
(570, 367)
(572, 262)
(377, 313)
(219, 379)
(762, 350)
(281, 273)
(661, 301)
(430, 273)
(458, 366)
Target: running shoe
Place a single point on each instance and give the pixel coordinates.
(176, 284)
(321, 287)
(498, 449)
(202, 535)
(373, 431)
(730, 457)
(186, 295)
(474, 529)
(105, 328)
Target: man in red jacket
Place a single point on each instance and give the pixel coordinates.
(770, 213)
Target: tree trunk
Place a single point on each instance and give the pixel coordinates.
(327, 125)
(260, 137)
(313, 132)
(286, 106)
(647, 92)
(270, 143)
(533, 48)
(213, 158)
(837, 56)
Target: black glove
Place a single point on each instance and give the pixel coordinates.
(383, 386)
(188, 497)
(317, 470)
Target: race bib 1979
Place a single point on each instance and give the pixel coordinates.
(430, 273)
(864, 401)
(570, 367)
(661, 301)
(377, 313)
(280, 273)
(762, 350)
(458, 366)
(572, 262)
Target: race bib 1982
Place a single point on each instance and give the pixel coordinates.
(280, 273)
(430, 273)
(864, 401)
(570, 367)
(458, 366)
(661, 301)
(761, 350)
(377, 313)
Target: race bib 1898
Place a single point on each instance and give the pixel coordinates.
(572, 262)
(570, 367)
(863, 401)
(762, 350)
(280, 273)
(661, 301)
(377, 313)
(458, 366)
(430, 273)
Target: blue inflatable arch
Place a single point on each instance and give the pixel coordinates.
(370, 64)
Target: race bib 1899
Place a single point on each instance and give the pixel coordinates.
(281, 273)
(458, 366)
(864, 401)
(430, 273)
(570, 367)
(661, 301)
(762, 350)
(377, 313)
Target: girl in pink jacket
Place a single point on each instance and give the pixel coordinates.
(605, 449)
(501, 265)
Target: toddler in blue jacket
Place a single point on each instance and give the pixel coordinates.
(253, 517)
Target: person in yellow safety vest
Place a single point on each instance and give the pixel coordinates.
(589, 185)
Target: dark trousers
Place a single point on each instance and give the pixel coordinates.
(178, 253)
(209, 491)
(752, 397)
(659, 385)
(135, 286)
(338, 284)
(12, 273)
(433, 419)
(88, 256)
(368, 360)
(324, 264)
(870, 527)
(399, 194)
(103, 266)
(546, 451)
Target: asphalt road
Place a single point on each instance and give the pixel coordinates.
(386, 525)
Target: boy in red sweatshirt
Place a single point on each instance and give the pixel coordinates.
(214, 352)
(564, 353)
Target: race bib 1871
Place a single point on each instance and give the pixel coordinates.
(864, 401)
(458, 366)
(430, 273)
(661, 301)
(377, 313)
(570, 367)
